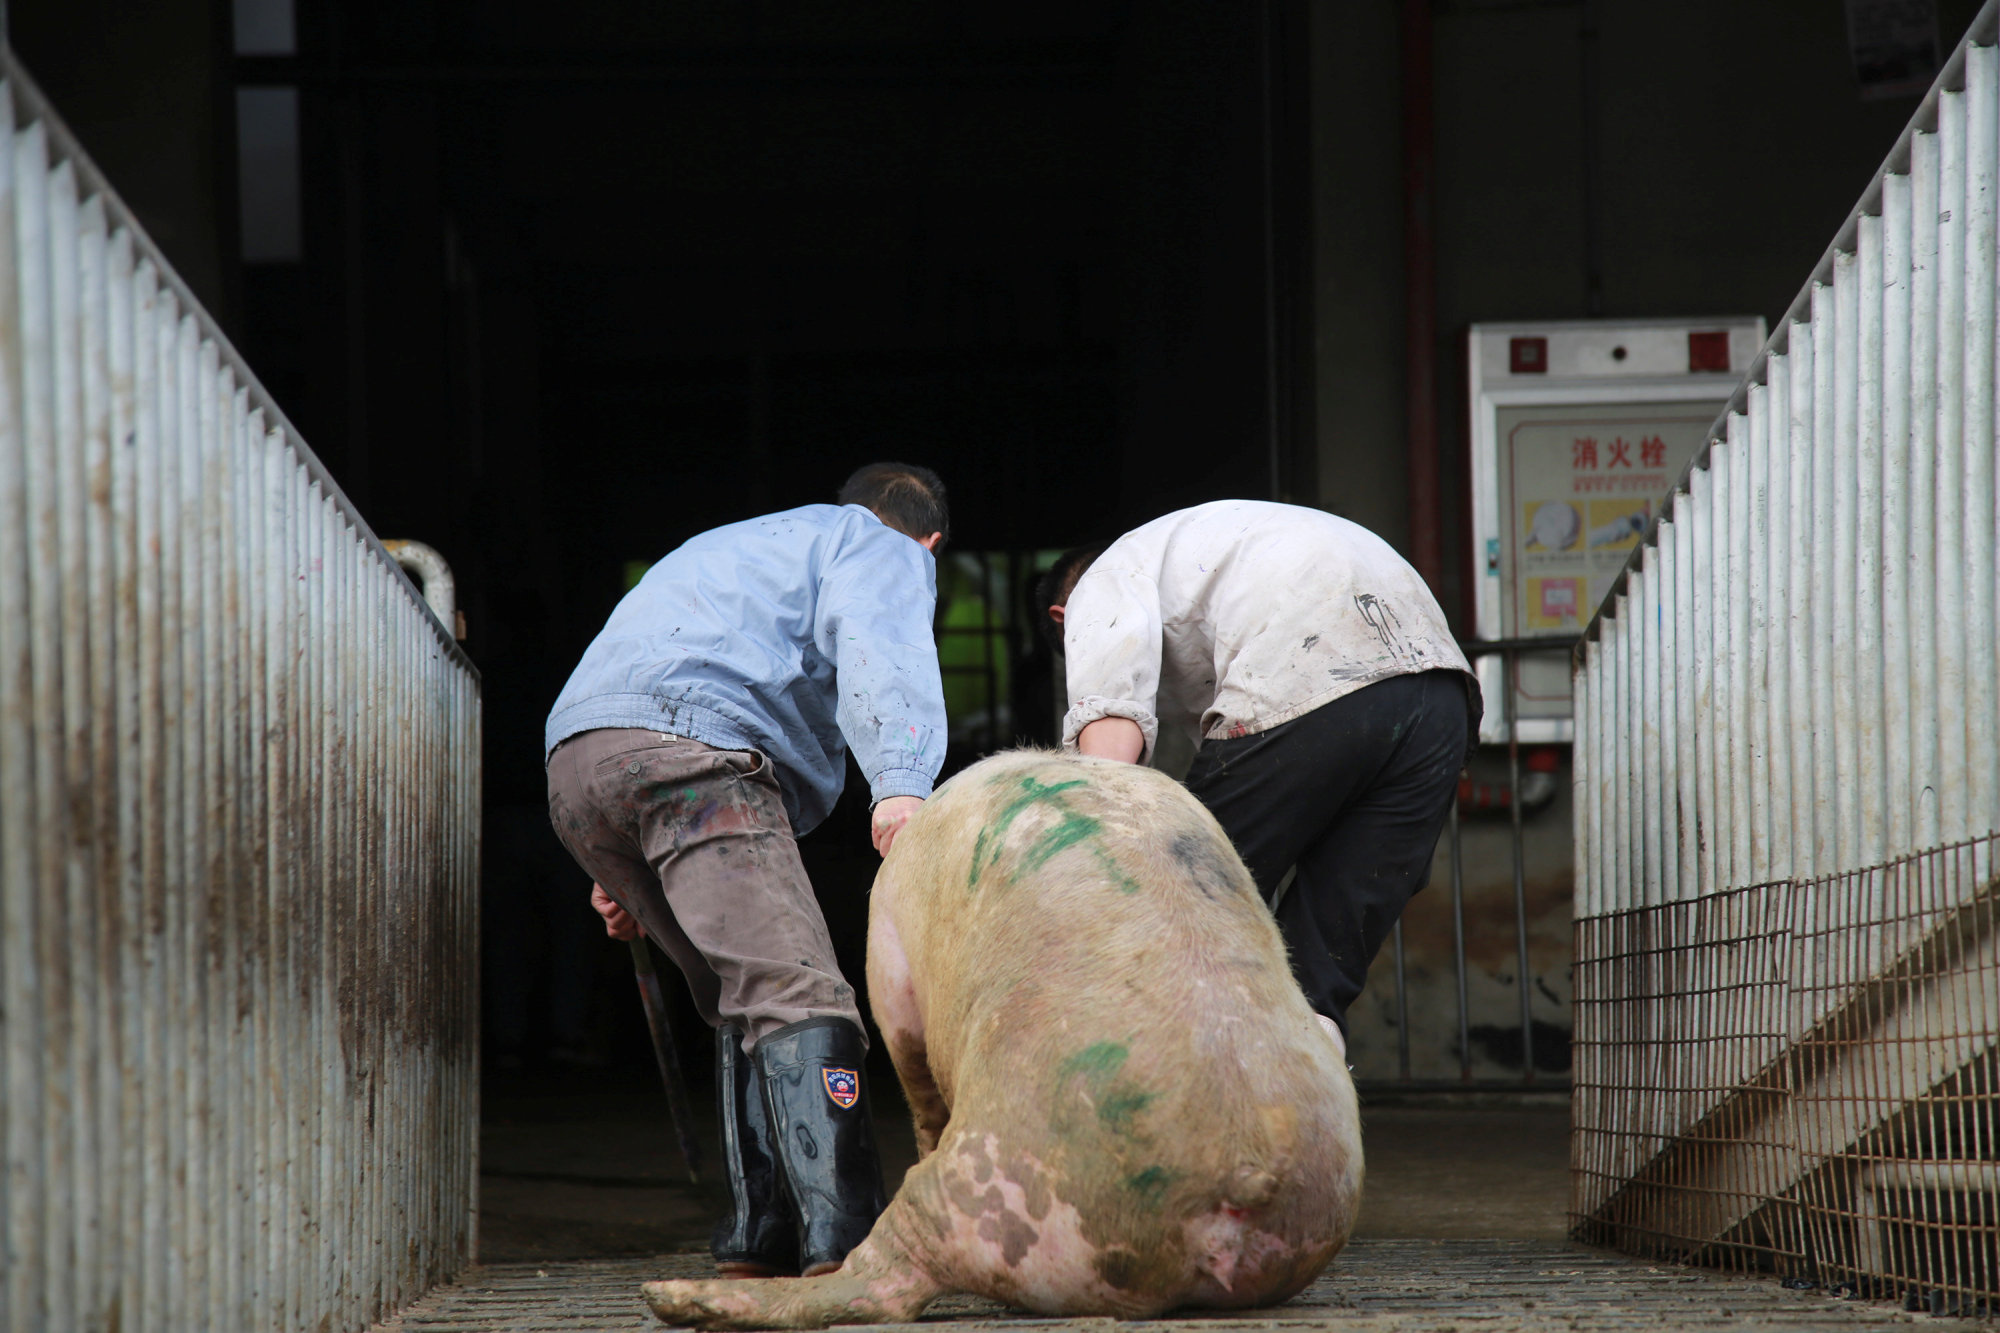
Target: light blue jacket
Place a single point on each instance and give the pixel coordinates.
(780, 634)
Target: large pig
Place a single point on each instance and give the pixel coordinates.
(1122, 1101)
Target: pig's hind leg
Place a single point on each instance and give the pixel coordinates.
(878, 1284)
(893, 998)
(928, 1113)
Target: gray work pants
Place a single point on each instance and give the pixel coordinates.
(694, 842)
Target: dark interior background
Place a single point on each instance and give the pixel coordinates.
(572, 283)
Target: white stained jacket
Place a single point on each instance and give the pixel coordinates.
(1229, 618)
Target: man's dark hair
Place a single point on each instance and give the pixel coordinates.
(908, 498)
(1054, 587)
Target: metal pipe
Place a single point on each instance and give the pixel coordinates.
(1458, 946)
(1402, 1007)
(667, 1055)
(433, 578)
(1508, 651)
(1520, 873)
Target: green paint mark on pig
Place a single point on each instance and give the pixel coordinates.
(1121, 1105)
(1150, 1184)
(992, 839)
(1117, 1101)
(1115, 872)
(1073, 829)
(1098, 1061)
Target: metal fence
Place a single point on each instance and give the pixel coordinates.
(239, 798)
(1785, 708)
(1516, 798)
(1800, 1077)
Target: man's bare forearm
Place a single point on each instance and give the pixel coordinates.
(1112, 738)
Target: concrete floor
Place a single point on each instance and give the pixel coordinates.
(1380, 1286)
(1462, 1228)
(1447, 1169)
(595, 1175)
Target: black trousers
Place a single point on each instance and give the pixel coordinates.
(1354, 794)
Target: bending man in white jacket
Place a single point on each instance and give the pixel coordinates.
(1330, 703)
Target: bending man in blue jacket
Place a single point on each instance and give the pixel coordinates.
(701, 733)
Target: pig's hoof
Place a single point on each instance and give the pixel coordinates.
(660, 1295)
(713, 1304)
(682, 1304)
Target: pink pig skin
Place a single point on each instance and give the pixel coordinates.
(1123, 1103)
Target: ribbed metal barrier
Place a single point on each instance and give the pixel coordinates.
(239, 793)
(1788, 707)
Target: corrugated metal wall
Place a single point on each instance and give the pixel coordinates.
(239, 794)
(1790, 702)
(1796, 676)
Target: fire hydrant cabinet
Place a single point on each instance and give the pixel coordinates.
(1578, 430)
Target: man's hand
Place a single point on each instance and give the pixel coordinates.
(618, 923)
(1112, 738)
(891, 813)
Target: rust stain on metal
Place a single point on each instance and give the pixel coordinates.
(239, 800)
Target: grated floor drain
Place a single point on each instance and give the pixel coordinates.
(1383, 1286)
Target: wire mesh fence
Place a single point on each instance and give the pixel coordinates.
(1800, 1077)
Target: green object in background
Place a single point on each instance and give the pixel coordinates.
(980, 596)
(634, 571)
(965, 649)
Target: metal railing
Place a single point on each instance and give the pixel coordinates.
(1800, 1077)
(1509, 651)
(239, 794)
(1791, 692)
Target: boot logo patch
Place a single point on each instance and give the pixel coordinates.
(842, 1085)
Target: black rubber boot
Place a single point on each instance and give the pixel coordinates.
(817, 1094)
(758, 1238)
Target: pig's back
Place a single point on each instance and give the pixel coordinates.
(1107, 1004)
(1082, 883)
